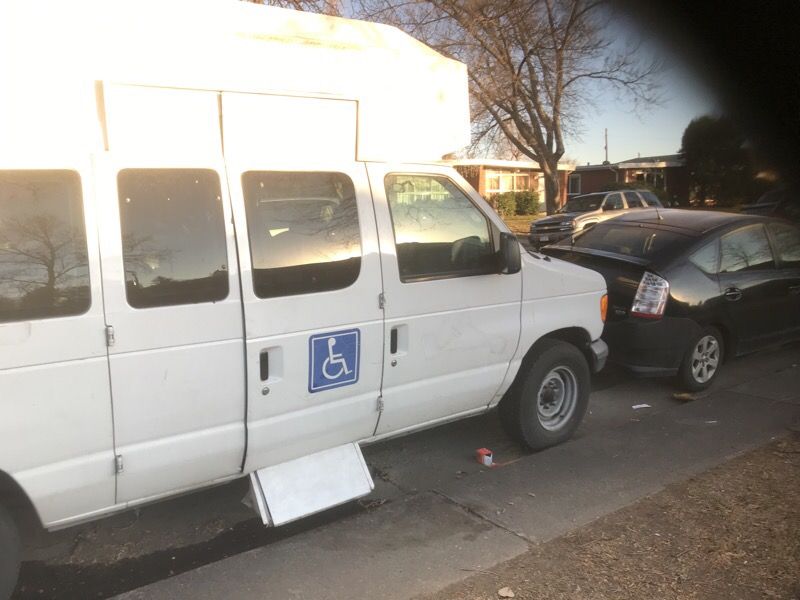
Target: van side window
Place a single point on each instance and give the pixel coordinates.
(173, 236)
(44, 268)
(438, 232)
(304, 233)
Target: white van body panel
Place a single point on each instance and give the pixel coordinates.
(121, 405)
(401, 85)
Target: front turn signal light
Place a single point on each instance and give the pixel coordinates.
(604, 307)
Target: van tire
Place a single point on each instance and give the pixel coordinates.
(9, 554)
(546, 404)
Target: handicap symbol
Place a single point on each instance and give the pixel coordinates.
(333, 359)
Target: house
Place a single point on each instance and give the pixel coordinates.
(666, 172)
(494, 176)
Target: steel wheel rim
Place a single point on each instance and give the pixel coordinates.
(557, 398)
(705, 359)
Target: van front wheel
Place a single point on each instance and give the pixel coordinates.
(546, 406)
(9, 554)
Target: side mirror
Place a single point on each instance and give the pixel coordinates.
(510, 257)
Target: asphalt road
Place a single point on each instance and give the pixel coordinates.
(435, 514)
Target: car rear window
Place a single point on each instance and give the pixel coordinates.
(627, 240)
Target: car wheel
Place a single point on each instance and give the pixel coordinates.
(702, 360)
(9, 554)
(547, 404)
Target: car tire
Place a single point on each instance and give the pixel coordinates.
(9, 554)
(702, 361)
(545, 406)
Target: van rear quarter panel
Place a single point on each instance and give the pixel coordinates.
(56, 437)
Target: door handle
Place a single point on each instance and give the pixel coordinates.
(733, 294)
(393, 341)
(264, 365)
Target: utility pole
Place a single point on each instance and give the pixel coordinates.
(605, 162)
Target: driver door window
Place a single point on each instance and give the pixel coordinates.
(438, 232)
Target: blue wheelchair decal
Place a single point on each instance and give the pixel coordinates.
(333, 359)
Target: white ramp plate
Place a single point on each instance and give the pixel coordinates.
(307, 485)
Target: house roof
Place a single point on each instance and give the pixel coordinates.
(664, 160)
(505, 164)
(639, 162)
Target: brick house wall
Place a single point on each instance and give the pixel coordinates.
(595, 180)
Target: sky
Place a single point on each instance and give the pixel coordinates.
(647, 131)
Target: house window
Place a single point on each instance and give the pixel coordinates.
(574, 184)
(498, 182)
(654, 179)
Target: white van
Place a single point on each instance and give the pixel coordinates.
(217, 261)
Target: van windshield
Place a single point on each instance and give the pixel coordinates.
(583, 203)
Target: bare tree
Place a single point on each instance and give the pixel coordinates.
(325, 7)
(533, 65)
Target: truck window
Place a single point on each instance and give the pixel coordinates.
(44, 270)
(304, 232)
(633, 200)
(173, 236)
(613, 202)
(438, 232)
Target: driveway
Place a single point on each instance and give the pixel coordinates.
(436, 516)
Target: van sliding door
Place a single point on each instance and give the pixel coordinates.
(310, 274)
(172, 296)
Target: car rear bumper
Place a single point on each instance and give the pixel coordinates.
(649, 347)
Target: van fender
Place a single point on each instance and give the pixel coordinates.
(572, 318)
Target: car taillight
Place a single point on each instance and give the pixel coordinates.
(651, 297)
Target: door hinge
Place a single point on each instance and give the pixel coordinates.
(118, 466)
(381, 300)
(110, 339)
(380, 404)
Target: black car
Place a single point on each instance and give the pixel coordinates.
(688, 288)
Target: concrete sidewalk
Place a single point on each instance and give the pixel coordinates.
(420, 543)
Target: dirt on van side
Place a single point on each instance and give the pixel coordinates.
(732, 532)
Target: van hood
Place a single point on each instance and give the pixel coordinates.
(546, 277)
